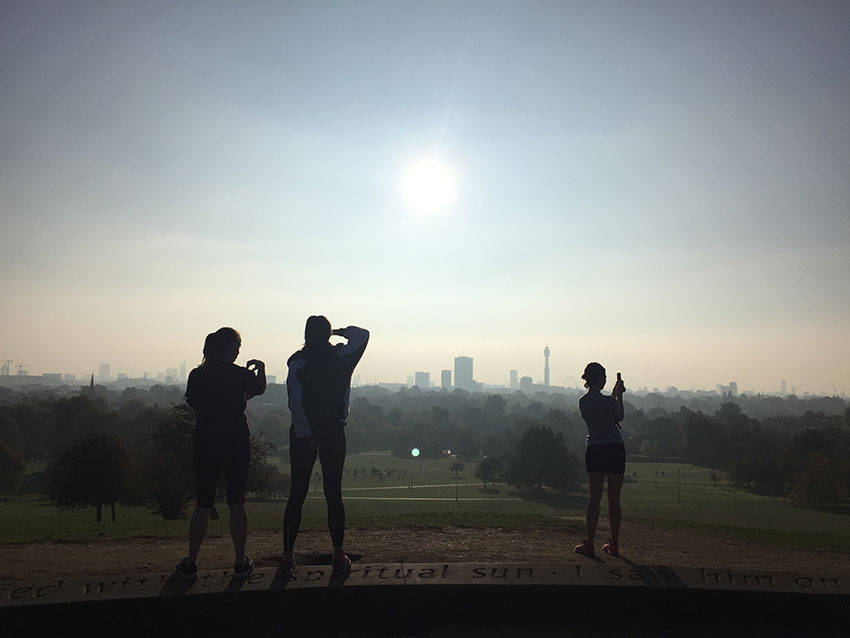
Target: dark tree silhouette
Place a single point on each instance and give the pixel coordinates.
(540, 459)
(488, 469)
(457, 468)
(12, 467)
(91, 473)
(169, 473)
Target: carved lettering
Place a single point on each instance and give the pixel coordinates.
(804, 581)
(616, 574)
(496, 569)
(427, 573)
(445, 569)
(399, 573)
(47, 590)
(831, 582)
(749, 578)
(578, 571)
(314, 574)
(98, 588)
(479, 572)
(706, 575)
(520, 570)
(20, 592)
(255, 578)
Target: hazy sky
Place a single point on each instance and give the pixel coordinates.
(660, 186)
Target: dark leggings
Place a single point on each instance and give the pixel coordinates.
(302, 457)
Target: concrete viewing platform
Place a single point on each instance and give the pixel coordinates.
(435, 598)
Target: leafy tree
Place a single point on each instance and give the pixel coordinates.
(279, 483)
(10, 431)
(704, 441)
(169, 475)
(34, 419)
(457, 468)
(488, 469)
(91, 473)
(467, 443)
(77, 416)
(817, 483)
(12, 467)
(260, 471)
(541, 458)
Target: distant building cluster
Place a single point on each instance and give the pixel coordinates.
(464, 378)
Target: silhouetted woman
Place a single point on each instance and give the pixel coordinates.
(318, 385)
(605, 455)
(219, 390)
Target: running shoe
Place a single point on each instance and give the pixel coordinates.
(243, 569)
(186, 571)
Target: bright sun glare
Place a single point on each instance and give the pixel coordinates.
(428, 186)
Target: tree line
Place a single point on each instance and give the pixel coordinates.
(526, 440)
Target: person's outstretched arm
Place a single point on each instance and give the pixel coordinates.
(617, 393)
(352, 351)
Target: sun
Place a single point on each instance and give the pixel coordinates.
(428, 185)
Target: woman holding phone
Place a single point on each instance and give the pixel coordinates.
(605, 455)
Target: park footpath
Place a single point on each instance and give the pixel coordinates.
(436, 599)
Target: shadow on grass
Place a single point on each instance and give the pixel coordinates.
(553, 498)
(842, 509)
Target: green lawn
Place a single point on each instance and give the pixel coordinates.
(428, 493)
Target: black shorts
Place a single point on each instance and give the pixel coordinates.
(609, 458)
(212, 454)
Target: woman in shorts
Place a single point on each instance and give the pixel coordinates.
(219, 390)
(605, 456)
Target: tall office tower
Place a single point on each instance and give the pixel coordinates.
(784, 389)
(422, 379)
(514, 380)
(463, 373)
(446, 379)
(546, 366)
(526, 384)
(733, 388)
(183, 371)
(104, 372)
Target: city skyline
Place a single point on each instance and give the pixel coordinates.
(661, 187)
(421, 379)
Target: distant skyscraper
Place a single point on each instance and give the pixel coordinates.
(422, 379)
(104, 372)
(733, 388)
(446, 379)
(546, 366)
(784, 389)
(463, 373)
(514, 380)
(526, 384)
(183, 371)
(171, 375)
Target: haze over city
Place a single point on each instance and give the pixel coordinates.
(659, 186)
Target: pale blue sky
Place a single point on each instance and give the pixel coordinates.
(662, 186)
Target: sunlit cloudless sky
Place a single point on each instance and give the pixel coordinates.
(660, 186)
